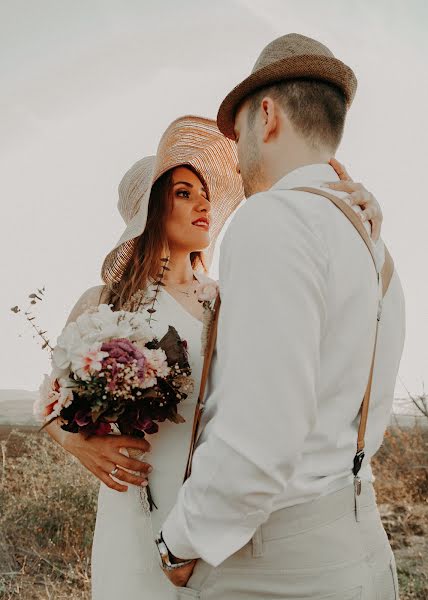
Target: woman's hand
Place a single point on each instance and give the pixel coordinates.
(357, 194)
(101, 455)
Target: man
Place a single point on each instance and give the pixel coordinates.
(272, 508)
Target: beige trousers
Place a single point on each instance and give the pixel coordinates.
(318, 551)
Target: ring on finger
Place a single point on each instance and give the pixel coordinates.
(115, 470)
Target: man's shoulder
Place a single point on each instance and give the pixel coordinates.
(282, 201)
(279, 212)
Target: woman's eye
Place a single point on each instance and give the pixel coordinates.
(183, 194)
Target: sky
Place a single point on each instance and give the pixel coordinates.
(89, 86)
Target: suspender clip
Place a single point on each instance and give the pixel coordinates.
(358, 461)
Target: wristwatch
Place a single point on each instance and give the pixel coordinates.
(166, 557)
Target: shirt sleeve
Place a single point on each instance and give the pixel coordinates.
(273, 274)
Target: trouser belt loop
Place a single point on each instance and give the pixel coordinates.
(257, 543)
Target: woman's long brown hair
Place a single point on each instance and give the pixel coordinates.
(152, 245)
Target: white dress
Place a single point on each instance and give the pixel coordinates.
(124, 563)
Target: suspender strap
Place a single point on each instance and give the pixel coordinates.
(384, 279)
(209, 352)
(387, 272)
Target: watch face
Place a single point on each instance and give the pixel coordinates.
(163, 551)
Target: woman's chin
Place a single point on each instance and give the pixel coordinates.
(201, 244)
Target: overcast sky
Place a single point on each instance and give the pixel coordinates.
(89, 86)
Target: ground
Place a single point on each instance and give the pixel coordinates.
(48, 505)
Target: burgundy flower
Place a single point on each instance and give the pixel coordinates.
(147, 425)
(99, 428)
(82, 417)
(102, 428)
(124, 352)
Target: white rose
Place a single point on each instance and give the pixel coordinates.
(141, 331)
(69, 339)
(208, 292)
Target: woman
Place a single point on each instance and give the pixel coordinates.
(174, 204)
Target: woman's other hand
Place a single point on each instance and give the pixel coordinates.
(358, 195)
(101, 455)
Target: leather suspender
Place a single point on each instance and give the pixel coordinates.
(384, 279)
(209, 352)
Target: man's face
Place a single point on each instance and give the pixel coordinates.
(249, 156)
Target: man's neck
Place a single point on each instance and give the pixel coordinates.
(294, 157)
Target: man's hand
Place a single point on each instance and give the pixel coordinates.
(179, 577)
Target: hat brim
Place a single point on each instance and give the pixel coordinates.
(324, 68)
(195, 142)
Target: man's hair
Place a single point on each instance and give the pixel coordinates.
(316, 109)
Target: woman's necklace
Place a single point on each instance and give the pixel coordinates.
(186, 292)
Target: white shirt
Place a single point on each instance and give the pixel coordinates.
(295, 342)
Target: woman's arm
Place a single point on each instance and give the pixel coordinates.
(101, 454)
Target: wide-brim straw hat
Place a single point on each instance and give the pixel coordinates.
(192, 141)
(291, 56)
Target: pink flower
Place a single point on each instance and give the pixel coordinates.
(47, 399)
(53, 397)
(208, 292)
(156, 366)
(91, 361)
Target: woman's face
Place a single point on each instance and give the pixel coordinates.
(188, 223)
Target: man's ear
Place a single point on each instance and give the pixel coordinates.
(270, 118)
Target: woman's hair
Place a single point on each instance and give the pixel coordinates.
(151, 246)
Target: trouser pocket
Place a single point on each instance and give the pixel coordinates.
(202, 573)
(387, 583)
(185, 592)
(393, 568)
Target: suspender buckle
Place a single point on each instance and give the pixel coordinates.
(358, 461)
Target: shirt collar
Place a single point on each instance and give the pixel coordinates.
(309, 176)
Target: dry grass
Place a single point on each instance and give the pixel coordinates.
(46, 521)
(401, 466)
(401, 469)
(47, 513)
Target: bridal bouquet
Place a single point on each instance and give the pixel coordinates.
(110, 371)
(110, 374)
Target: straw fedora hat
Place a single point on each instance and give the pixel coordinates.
(189, 140)
(291, 56)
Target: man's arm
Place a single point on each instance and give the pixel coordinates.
(273, 284)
